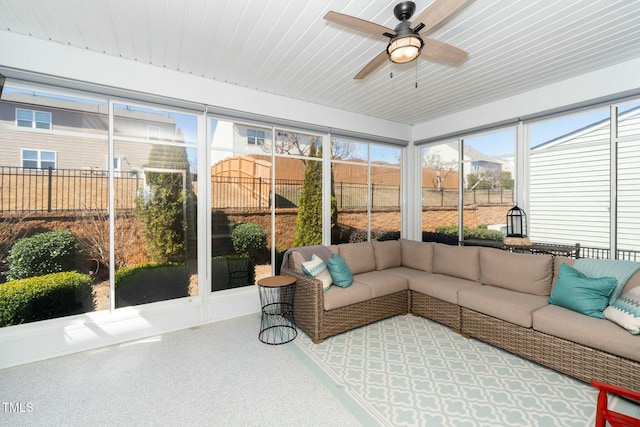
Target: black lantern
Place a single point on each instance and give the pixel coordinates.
(516, 222)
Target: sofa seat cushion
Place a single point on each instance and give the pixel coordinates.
(527, 273)
(511, 306)
(337, 297)
(382, 283)
(441, 286)
(592, 332)
(406, 272)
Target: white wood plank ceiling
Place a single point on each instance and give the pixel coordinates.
(285, 47)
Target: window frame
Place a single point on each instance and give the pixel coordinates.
(34, 119)
(39, 160)
(255, 139)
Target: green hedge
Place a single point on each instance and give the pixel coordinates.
(482, 232)
(45, 297)
(151, 282)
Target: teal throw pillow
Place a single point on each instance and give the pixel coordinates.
(577, 292)
(340, 272)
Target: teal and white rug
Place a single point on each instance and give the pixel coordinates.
(410, 371)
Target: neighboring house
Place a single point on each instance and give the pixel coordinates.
(231, 138)
(569, 198)
(42, 131)
(445, 157)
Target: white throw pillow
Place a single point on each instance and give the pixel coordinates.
(317, 269)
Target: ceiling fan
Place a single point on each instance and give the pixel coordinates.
(406, 43)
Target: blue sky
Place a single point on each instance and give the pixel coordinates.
(502, 142)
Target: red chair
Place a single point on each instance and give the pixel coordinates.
(604, 414)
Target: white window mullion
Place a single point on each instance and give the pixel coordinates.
(613, 184)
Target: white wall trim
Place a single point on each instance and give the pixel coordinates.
(57, 61)
(605, 83)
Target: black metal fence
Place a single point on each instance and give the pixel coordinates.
(255, 193)
(432, 197)
(60, 190)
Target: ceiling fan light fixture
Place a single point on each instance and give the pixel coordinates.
(404, 49)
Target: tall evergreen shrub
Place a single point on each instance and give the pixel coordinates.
(309, 221)
(161, 208)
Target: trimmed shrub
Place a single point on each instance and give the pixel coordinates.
(45, 297)
(249, 239)
(150, 282)
(43, 253)
(481, 232)
(358, 236)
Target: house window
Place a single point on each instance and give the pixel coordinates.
(255, 137)
(38, 159)
(33, 119)
(117, 166)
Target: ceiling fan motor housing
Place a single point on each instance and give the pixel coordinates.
(403, 11)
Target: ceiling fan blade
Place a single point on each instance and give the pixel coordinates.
(438, 12)
(444, 52)
(379, 59)
(358, 24)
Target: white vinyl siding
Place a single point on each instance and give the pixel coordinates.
(569, 192)
(629, 183)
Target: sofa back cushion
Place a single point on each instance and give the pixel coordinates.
(457, 261)
(387, 254)
(526, 273)
(295, 260)
(418, 255)
(557, 262)
(358, 256)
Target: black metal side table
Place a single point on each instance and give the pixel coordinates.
(276, 298)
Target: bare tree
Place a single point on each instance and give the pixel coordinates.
(299, 145)
(93, 236)
(442, 169)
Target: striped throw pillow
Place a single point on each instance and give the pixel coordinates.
(625, 311)
(317, 269)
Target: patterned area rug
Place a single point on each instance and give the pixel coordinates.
(410, 371)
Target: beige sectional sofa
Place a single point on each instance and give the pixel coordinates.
(496, 296)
